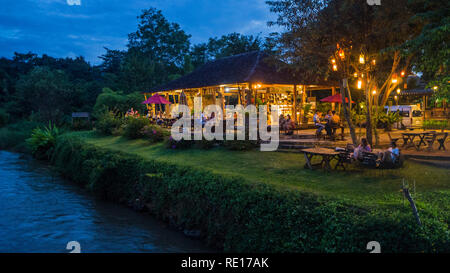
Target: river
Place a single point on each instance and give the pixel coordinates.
(41, 212)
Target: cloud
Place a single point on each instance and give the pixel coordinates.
(74, 2)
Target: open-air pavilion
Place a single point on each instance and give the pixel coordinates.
(249, 78)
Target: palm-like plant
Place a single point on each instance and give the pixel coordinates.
(43, 140)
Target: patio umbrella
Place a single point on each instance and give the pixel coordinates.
(156, 99)
(336, 99)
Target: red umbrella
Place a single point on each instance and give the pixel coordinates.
(156, 99)
(336, 99)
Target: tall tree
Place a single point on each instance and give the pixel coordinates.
(322, 36)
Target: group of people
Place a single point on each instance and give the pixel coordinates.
(329, 122)
(286, 124)
(390, 156)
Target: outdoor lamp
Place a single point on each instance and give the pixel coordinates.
(341, 54)
(374, 92)
(335, 68)
(398, 91)
(361, 59)
(359, 84)
(355, 75)
(402, 73)
(374, 62)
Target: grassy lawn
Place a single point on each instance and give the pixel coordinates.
(364, 187)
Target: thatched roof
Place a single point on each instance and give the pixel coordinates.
(252, 67)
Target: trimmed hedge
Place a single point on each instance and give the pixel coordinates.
(239, 216)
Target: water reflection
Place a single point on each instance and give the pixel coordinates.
(42, 213)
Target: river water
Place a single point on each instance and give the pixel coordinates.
(40, 212)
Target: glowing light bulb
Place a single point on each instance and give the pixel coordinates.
(359, 84)
(335, 68)
(361, 59)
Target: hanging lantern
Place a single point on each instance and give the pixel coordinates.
(403, 73)
(398, 91)
(394, 79)
(374, 62)
(335, 68)
(359, 84)
(374, 92)
(355, 75)
(341, 54)
(333, 61)
(361, 59)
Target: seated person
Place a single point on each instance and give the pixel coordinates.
(281, 122)
(390, 157)
(335, 122)
(317, 123)
(328, 126)
(289, 125)
(363, 147)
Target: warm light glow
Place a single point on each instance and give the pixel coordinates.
(359, 84)
(341, 54)
(403, 73)
(355, 75)
(335, 68)
(374, 92)
(396, 98)
(374, 62)
(394, 80)
(257, 86)
(398, 91)
(435, 88)
(227, 89)
(361, 59)
(333, 61)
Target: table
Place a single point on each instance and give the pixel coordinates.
(326, 154)
(408, 139)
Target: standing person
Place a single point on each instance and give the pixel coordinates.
(317, 123)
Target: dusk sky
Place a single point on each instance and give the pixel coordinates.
(72, 28)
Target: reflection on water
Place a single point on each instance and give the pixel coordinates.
(41, 213)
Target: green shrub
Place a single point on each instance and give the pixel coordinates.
(206, 144)
(108, 122)
(154, 133)
(240, 145)
(43, 140)
(81, 125)
(134, 126)
(4, 117)
(435, 124)
(238, 216)
(180, 144)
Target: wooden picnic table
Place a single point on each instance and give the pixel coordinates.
(326, 154)
(408, 139)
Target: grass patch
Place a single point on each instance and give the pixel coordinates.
(367, 187)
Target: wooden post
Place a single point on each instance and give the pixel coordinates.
(294, 105)
(333, 92)
(413, 205)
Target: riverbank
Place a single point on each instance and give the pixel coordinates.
(261, 202)
(41, 213)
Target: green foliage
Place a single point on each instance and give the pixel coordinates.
(108, 122)
(240, 145)
(179, 144)
(134, 127)
(435, 124)
(118, 102)
(238, 216)
(4, 117)
(154, 133)
(386, 120)
(79, 124)
(13, 136)
(43, 140)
